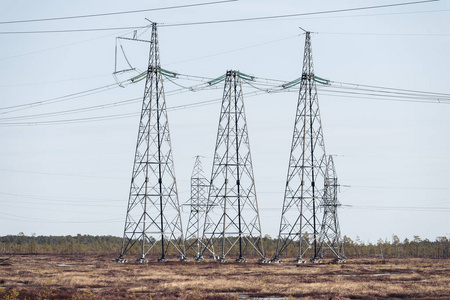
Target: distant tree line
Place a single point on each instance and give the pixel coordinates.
(111, 245)
(417, 247)
(79, 244)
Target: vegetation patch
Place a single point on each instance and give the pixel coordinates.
(27, 277)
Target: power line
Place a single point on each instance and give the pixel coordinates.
(57, 99)
(198, 87)
(224, 21)
(347, 96)
(262, 85)
(18, 107)
(389, 34)
(54, 81)
(70, 121)
(47, 207)
(61, 200)
(361, 91)
(104, 118)
(386, 96)
(116, 116)
(408, 208)
(116, 13)
(341, 87)
(77, 110)
(379, 14)
(299, 14)
(37, 220)
(396, 187)
(358, 85)
(57, 206)
(14, 108)
(58, 174)
(74, 30)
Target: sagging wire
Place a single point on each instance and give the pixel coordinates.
(203, 86)
(179, 85)
(167, 74)
(73, 111)
(286, 86)
(334, 88)
(255, 87)
(20, 107)
(141, 74)
(211, 83)
(350, 90)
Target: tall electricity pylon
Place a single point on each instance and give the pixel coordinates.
(197, 204)
(300, 220)
(330, 233)
(232, 220)
(153, 214)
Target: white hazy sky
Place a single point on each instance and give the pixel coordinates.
(392, 158)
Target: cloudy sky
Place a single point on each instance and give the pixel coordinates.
(68, 131)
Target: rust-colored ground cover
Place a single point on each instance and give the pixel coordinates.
(92, 277)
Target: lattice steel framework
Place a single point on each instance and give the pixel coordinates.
(153, 214)
(232, 222)
(197, 203)
(300, 220)
(330, 233)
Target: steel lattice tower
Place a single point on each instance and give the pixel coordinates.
(232, 220)
(300, 221)
(153, 214)
(330, 232)
(197, 203)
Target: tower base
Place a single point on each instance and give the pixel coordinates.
(222, 259)
(275, 260)
(315, 260)
(299, 260)
(142, 260)
(263, 260)
(241, 260)
(199, 258)
(121, 260)
(183, 258)
(339, 260)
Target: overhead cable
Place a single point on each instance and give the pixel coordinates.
(37, 220)
(116, 13)
(226, 21)
(298, 14)
(388, 34)
(74, 30)
(57, 99)
(261, 85)
(76, 110)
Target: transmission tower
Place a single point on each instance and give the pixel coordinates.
(330, 233)
(197, 203)
(153, 214)
(232, 221)
(300, 220)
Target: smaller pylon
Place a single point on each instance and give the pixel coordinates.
(197, 204)
(330, 236)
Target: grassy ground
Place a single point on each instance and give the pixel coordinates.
(91, 277)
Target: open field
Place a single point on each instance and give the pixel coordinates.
(92, 277)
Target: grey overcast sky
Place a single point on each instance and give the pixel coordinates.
(64, 170)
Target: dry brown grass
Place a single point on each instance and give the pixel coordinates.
(101, 278)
